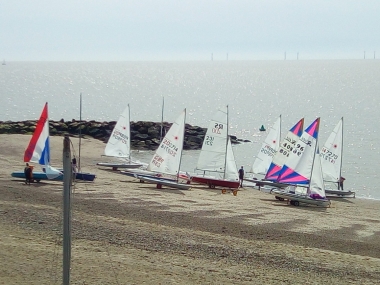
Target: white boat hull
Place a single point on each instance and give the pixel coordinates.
(162, 181)
(261, 183)
(115, 166)
(296, 199)
(339, 193)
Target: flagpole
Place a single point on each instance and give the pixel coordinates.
(66, 243)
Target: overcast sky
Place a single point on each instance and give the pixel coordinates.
(188, 29)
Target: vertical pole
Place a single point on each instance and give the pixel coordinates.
(341, 158)
(225, 153)
(180, 158)
(162, 118)
(67, 170)
(129, 135)
(80, 128)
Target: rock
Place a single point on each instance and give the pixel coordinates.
(144, 135)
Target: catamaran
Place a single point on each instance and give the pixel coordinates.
(166, 162)
(217, 155)
(38, 151)
(119, 144)
(331, 159)
(302, 168)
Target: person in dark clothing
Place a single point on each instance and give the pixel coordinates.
(74, 167)
(28, 174)
(241, 176)
(341, 180)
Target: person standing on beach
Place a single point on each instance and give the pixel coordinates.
(28, 174)
(74, 167)
(341, 180)
(241, 176)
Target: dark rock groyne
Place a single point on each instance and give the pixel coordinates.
(144, 135)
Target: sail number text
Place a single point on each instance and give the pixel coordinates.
(268, 150)
(157, 160)
(217, 128)
(328, 155)
(209, 140)
(169, 147)
(287, 148)
(120, 136)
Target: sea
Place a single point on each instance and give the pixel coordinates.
(256, 92)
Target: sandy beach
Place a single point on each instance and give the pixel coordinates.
(127, 232)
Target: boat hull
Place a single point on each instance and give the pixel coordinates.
(165, 182)
(115, 166)
(339, 193)
(85, 176)
(299, 198)
(212, 182)
(141, 172)
(261, 183)
(135, 172)
(38, 176)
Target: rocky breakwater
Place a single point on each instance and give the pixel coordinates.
(144, 135)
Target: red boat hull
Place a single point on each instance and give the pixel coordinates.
(212, 182)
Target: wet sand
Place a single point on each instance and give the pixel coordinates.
(126, 232)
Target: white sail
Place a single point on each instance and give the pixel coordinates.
(298, 167)
(268, 149)
(213, 153)
(286, 146)
(167, 158)
(231, 172)
(331, 154)
(119, 143)
(317, 187)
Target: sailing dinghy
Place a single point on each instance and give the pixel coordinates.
(38, 151)
(302, 168)
(119, 144)
(217, 156)
(268, 149)
(166, 162)
(331, 159)
(278, 159)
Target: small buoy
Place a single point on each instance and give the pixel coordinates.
(262, 129)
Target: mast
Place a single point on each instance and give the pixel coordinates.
(225, 153)
(80, 128)
(180, 158)
(162, 118)
(341, 158)
(316, 147)
(280, 133)
(66, 243)
(129, 134)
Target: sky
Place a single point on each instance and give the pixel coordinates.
(121, 30)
